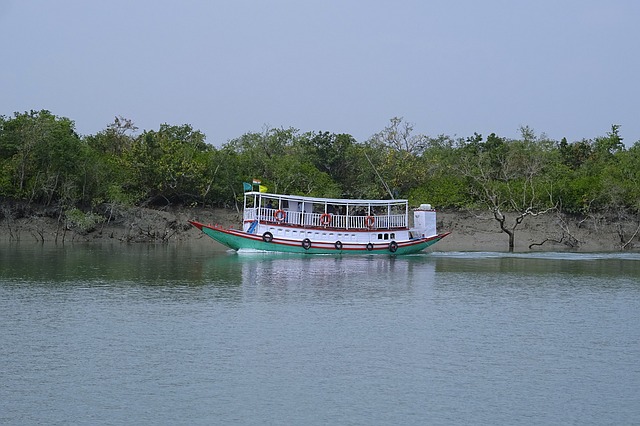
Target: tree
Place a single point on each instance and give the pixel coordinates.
(169, 165)
(105, 172)
(330, 153)
(442, 186)
(40, 154)
(399, 136)
(509, 176)
(279, 158)
(116, 139)
(607, 146)
(397, 150)
(574, 155)
(586, 185)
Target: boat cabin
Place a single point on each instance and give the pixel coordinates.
(324, 213)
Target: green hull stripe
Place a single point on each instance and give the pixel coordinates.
(237, 242)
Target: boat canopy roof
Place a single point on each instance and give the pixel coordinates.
(320, 200)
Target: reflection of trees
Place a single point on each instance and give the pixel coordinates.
(117, 264)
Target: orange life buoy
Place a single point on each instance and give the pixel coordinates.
(369, 221)
(325, 219)
(280, 215)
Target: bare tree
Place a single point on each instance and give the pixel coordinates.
(399, 136)
(507, 177)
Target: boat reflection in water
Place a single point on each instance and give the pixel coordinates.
(325, 277)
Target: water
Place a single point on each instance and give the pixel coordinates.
(186, 335)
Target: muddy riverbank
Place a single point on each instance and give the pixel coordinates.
(470, 231)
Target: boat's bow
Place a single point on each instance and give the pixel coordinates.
(196, 224)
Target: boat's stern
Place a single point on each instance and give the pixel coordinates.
(424, 221)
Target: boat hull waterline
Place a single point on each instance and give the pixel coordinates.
(236, 240)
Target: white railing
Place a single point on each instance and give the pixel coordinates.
(320, 220)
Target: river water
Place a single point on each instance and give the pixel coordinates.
(115, 334)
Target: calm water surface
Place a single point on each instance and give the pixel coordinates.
(187, 335)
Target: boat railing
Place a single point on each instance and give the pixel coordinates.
(325, 220)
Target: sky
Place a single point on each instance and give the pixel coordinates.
(565, 68)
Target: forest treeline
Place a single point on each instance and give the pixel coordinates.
(43, 160)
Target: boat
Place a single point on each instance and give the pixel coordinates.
(312, 225)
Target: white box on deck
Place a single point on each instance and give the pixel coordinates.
(424, 220)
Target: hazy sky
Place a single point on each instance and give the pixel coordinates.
(568, 68)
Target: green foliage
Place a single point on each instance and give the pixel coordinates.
(288, 162)
(170, 165)
(620, 180)
(329, 153)
(576, 154)
(444, 191)
(40, 157)
(43, 160)
(85, 222)
(509, 175)
(607, 146)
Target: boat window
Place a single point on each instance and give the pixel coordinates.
(269, 203)
(379, 210)
(358, 210)
(386, 236)
(379, 236)
(393, 236)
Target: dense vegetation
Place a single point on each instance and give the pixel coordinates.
(43, 160)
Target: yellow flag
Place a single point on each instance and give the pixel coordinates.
(262, 188)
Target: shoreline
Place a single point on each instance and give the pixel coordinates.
(470, 231)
